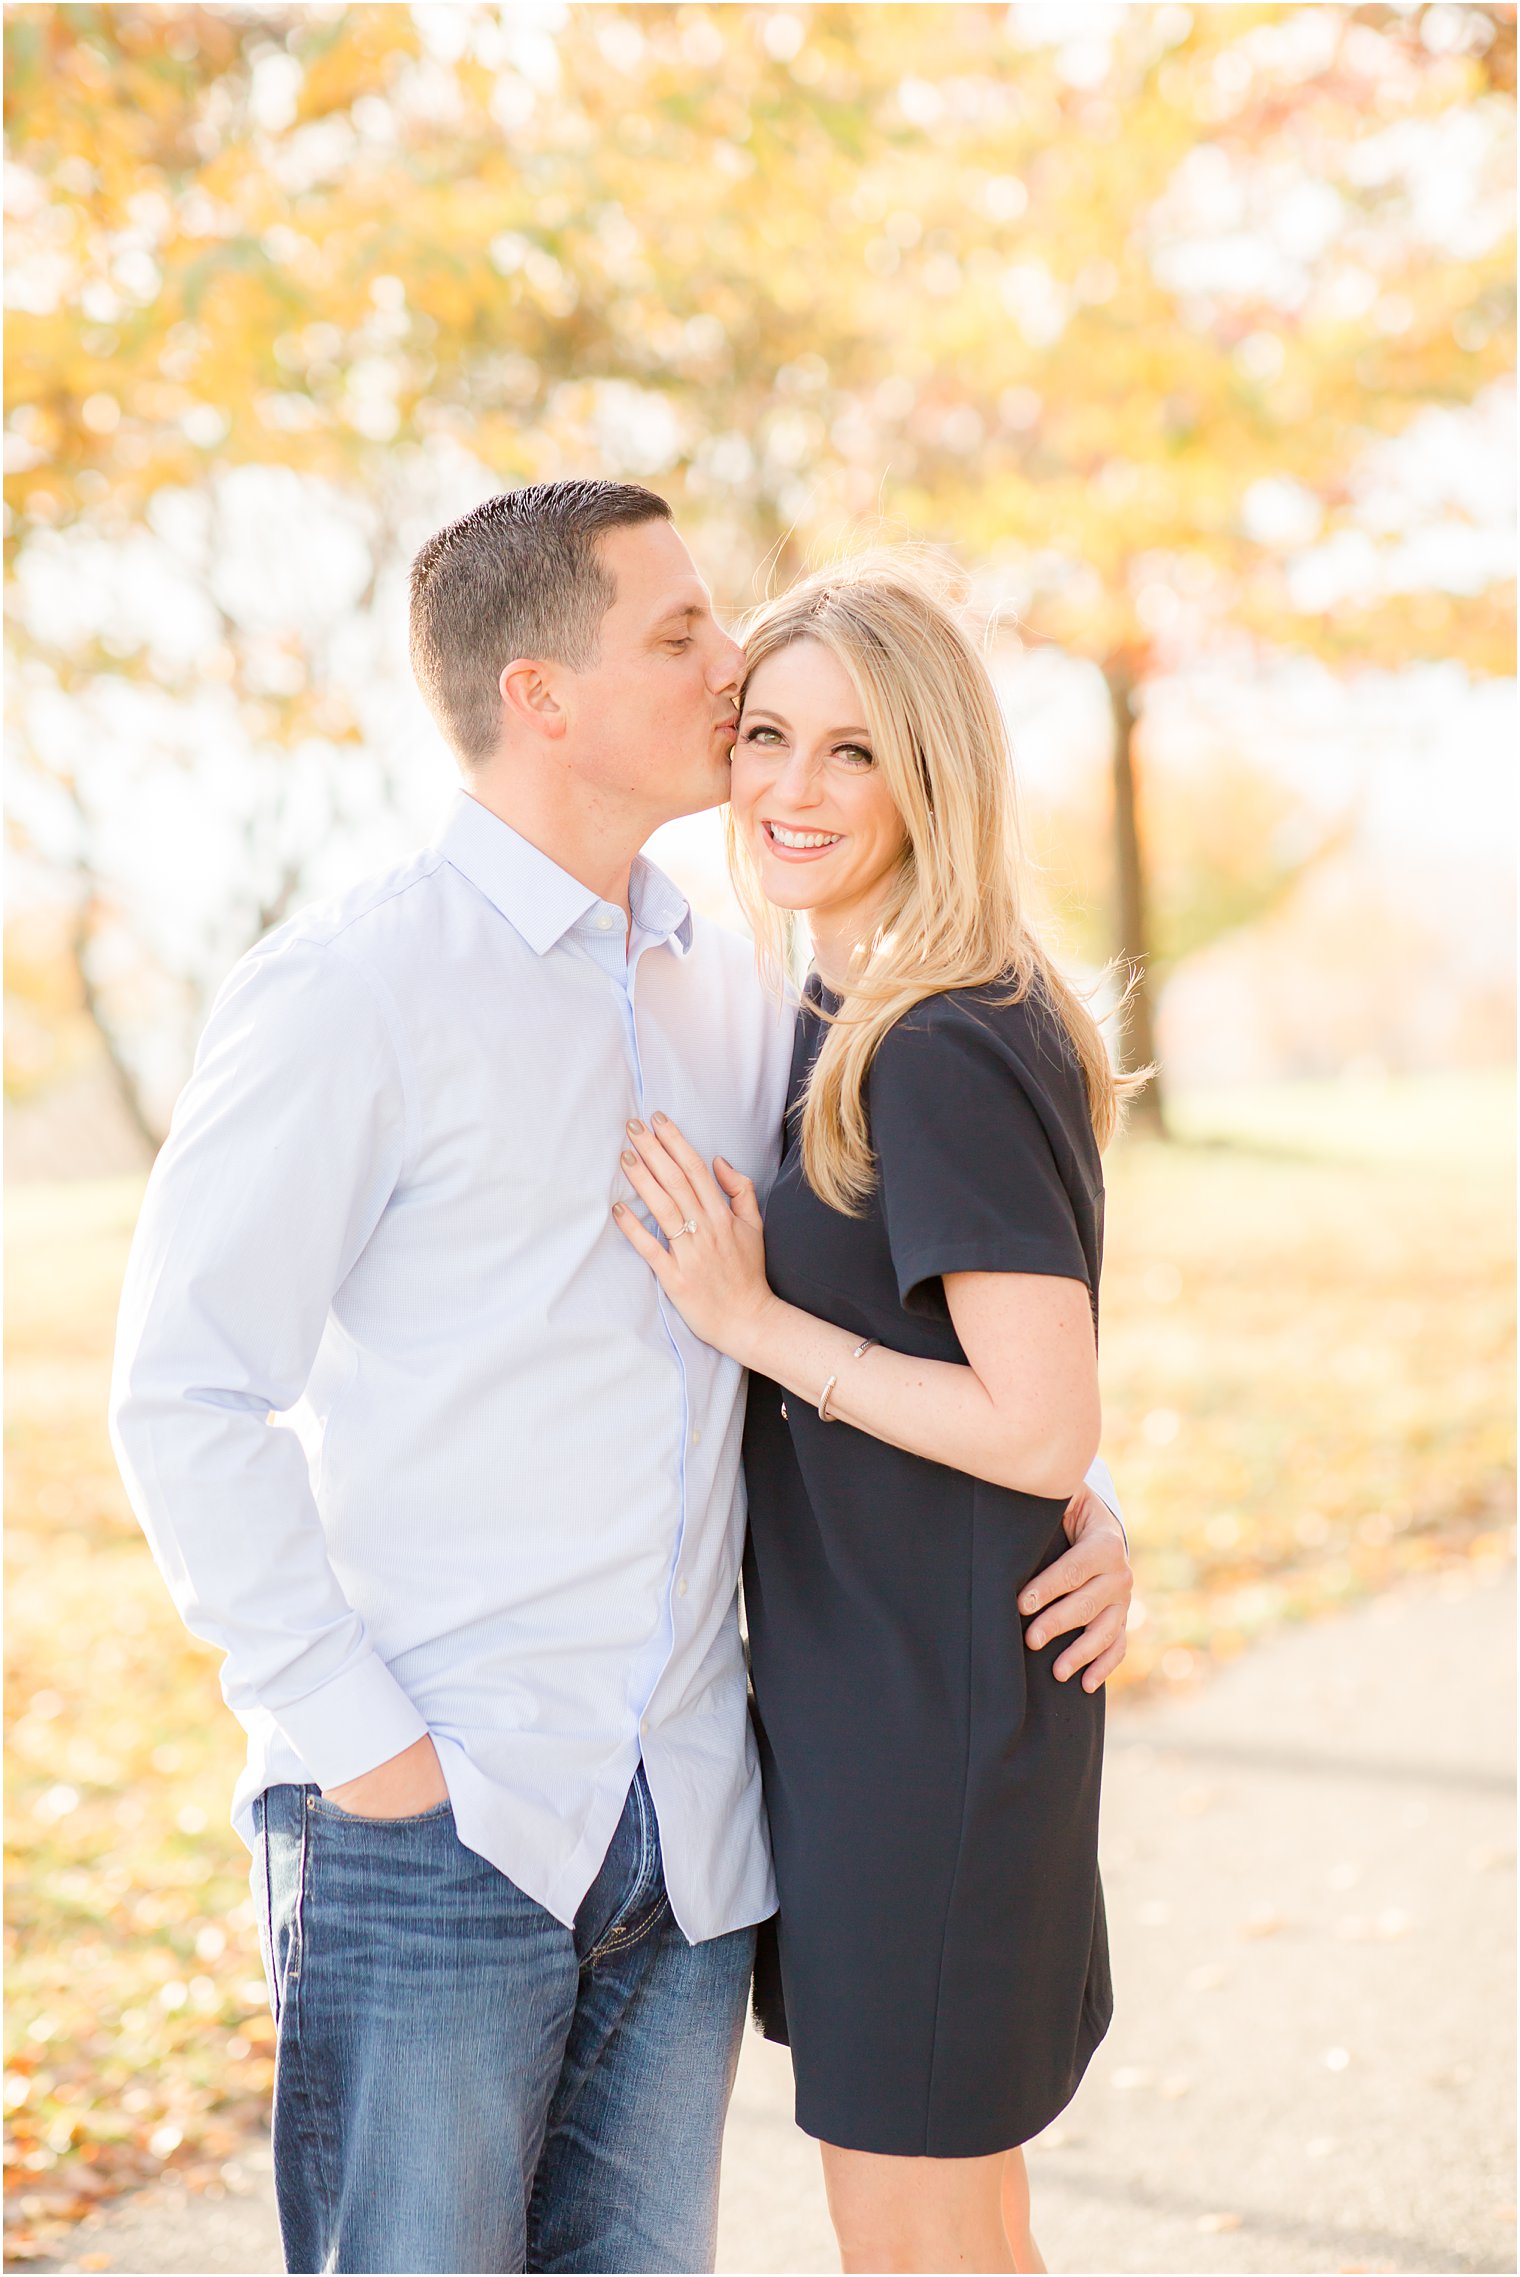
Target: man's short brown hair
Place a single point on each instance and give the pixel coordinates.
(519, 576)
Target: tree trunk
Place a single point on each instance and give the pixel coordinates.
(1147, 1111)
(122, 1075)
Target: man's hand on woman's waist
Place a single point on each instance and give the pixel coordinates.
(1087, 1588)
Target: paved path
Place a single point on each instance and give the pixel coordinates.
(1309, 1863)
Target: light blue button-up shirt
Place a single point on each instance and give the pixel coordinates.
(510, 1512)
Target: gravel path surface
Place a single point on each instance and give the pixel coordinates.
(1309, 1862)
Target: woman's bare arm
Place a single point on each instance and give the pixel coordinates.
(1022, 1413)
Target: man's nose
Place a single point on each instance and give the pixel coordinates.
(728, 672)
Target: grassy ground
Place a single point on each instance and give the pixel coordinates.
(1307, 1368)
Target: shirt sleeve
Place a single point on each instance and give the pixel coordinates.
(1101, 1479)
(284, 1149)
(969, 1179)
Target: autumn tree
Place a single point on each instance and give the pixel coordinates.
(1121, 315)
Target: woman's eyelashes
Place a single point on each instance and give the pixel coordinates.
(769, 737)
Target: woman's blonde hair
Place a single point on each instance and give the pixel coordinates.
(954, 915)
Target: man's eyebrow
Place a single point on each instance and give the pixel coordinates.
(681, 612)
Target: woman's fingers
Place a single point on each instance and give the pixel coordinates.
(642, 1240)
(671, 1174)
(662, 1206)
(743, 1199)
(693, 1166)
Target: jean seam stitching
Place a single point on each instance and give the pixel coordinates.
(274, 1960)
(310, 2111)
(359, 1818)
(623, 1932)
(628, 1932)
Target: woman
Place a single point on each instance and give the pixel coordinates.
(918, 1312)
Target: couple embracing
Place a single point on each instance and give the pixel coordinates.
(568, 1233)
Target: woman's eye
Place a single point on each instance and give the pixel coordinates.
(678, 645)
(856, 753)
(754, 734)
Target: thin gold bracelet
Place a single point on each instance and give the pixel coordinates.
(823, 1398)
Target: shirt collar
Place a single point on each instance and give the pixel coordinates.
(659, 907)
(539, 899)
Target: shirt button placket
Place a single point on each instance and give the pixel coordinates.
(631, 1017)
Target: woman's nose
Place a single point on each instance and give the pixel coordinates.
(797, 779)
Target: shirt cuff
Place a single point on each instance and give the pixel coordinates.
(351, 1724)
(1100, 1479)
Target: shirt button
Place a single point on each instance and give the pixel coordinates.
(681, 1586)
(643, 1723)
(605, 923)
(696, 1436)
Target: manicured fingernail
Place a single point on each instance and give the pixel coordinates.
(659, 1118)
(635, 1126)
(617, 1209)
(629, 1156)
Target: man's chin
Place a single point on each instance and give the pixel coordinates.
(702, 796)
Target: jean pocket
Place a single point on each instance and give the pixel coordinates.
(320, 1807)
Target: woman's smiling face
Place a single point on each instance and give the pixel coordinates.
(807, 795)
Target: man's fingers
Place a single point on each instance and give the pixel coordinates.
(1099, 1637)
(1103, 1667)
(1073, 1611)
(1070, 1570)
(1078, 1510)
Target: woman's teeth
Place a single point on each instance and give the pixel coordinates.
(802, 838)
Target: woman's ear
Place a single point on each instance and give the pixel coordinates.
(531, 698)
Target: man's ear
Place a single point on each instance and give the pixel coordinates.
(530, 698)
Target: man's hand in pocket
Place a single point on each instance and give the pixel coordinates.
(409, 1783)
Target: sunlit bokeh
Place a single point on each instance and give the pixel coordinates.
(1187, 333)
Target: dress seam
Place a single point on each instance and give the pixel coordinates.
(960, 1843)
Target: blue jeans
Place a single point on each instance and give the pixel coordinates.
(461, 2082)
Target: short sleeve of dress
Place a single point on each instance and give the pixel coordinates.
(964, 1130)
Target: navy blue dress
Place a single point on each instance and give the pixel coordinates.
(939, 1964)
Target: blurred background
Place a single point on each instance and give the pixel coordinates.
(1189, 331)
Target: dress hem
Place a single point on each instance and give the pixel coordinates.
(1013, 2136)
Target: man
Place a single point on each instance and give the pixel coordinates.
(501, 1791)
